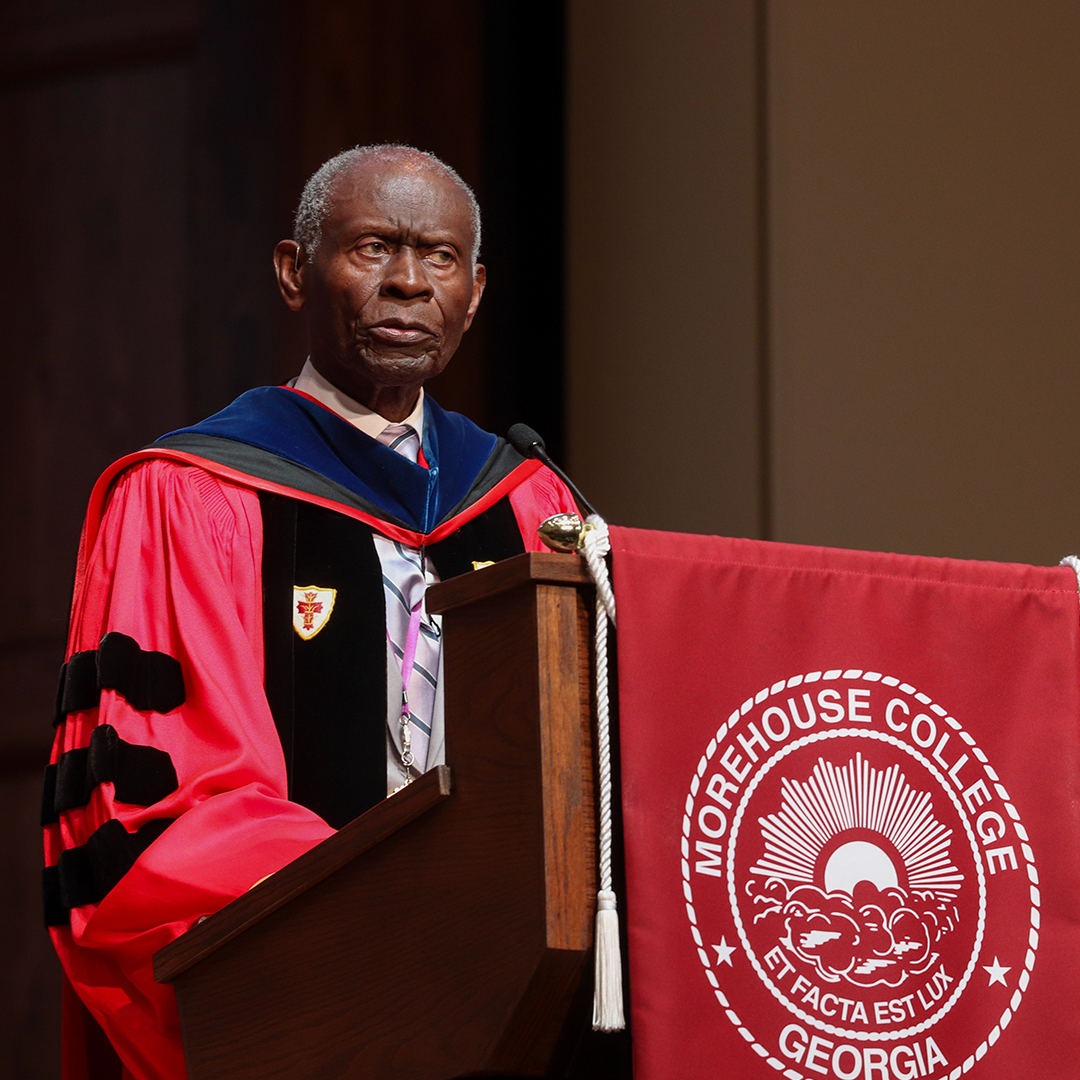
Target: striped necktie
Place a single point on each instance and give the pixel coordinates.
(404, 585)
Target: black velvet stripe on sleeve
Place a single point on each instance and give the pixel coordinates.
(48, 797)
(328, 693)
(86, 875)
(79, 686)
(55, 912)
(142, 775)
(149, 681)
(488, 537)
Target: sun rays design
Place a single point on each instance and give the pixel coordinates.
(853, 823)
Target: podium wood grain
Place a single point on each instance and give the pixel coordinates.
(444, 932)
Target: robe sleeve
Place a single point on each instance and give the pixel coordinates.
(162, 811)
(539, 497)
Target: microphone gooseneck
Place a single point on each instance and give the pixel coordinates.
(529, 444)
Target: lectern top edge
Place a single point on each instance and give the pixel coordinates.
(533, 566)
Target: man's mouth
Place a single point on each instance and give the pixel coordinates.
(399, 332)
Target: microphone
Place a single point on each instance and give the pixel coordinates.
(529, 444)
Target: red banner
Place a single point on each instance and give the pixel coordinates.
(850, 788)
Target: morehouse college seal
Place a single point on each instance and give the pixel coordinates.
(848, 853)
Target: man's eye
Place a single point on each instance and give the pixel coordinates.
(441, 258)
(374, 247)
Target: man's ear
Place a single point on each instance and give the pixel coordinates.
(479, 281)
(289, 263)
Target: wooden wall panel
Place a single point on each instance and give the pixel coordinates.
(54, 38)
(30, 980)
(235, 204)
(94, 315)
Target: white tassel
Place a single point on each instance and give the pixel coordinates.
(607, 992)
(608, 996)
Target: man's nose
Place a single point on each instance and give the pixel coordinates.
(405, 277)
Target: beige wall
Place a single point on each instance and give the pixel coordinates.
(922, 252)
(662, 316)
(925, 253)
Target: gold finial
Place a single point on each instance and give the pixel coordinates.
(563, 532)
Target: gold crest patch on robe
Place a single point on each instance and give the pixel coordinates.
(311, 609)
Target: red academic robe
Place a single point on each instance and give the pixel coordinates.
(173, 561)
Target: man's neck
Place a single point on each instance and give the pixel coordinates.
(370, 422)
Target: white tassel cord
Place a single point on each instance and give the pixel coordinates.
(608, 1012)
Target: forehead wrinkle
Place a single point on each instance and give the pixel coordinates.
(398, 227)
(414, 201)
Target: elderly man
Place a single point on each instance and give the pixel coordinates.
(250, 664)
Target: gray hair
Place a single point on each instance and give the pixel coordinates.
(318, 192)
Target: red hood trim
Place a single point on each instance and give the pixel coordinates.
(99, 497)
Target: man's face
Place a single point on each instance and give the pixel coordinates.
(391, 287)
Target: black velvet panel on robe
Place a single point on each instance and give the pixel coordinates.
(489, 537)
(328, 694)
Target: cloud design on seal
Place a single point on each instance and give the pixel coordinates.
(872, 937)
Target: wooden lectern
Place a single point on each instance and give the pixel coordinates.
(444, 932)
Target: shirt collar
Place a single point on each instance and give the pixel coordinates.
(310, 382)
